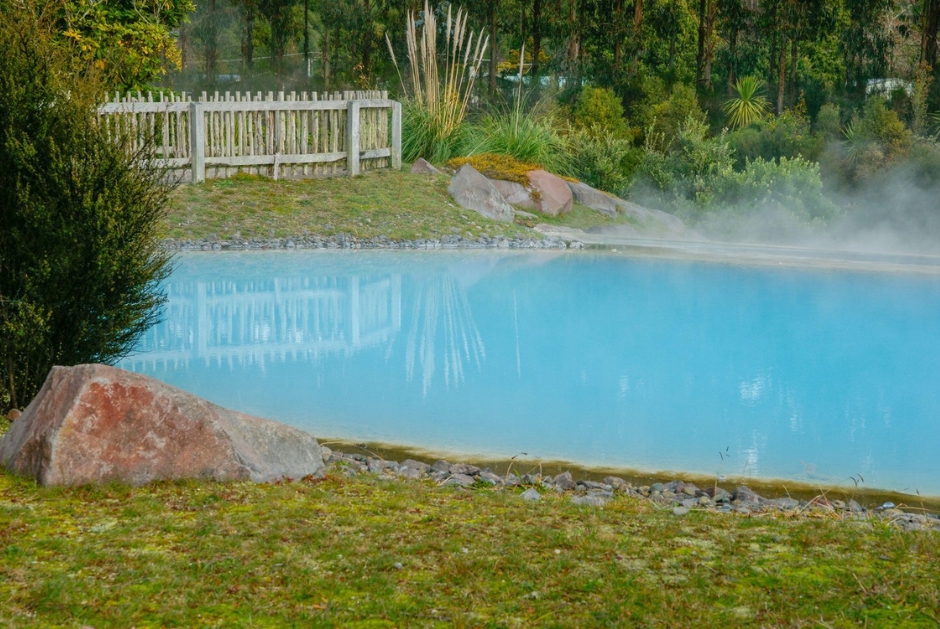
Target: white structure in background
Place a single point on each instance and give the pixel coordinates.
(885, 87)
(227, 322)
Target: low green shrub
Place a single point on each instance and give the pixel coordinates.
(604, 160)
(788, 135)
(791, 185)
(80, 262)
(598, 111)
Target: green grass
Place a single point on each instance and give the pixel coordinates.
(324, 553)
(398, 205)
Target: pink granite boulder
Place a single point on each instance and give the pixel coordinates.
(514, 193)
(553, 194)
(98, 424)
(423, 167)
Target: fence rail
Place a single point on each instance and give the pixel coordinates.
(277, 134)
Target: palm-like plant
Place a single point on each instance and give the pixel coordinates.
(750, 105)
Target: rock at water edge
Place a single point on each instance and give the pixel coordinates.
(473, 191)
(98, 424)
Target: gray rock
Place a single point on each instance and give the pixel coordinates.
(590, 484)
(463, 468)
(745, 494)
(531, 494)
(409, 473)
(689, 490)
(659, 487)
(564, 481)
(416, 465)
(530, 479)
(440, 466)
(422, 167)
(591, 500)
(587, 196)
(94, 424)
(473, 191)
(680, 511)
(688, 503)
(514, 193)
(783, 504)
(460, 479)
(490, 477)
(616, 482)
(378, 465)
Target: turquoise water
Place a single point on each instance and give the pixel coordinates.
(767, 373)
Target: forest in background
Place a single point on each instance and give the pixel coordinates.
(632, 97)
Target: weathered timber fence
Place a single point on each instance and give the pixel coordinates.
(278, 135)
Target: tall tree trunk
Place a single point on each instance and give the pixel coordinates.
(794, 55)
(700, 57)
(494, 49)
(637, 25)
(928, 38)
(325, 59)
(732, 59)
(212, 44)
(573, 44)
(618, 36)
(709, 42)
(536, 37)
(781, 73)
(582, 19)
(248, 43)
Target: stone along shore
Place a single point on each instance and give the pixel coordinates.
(679, 496)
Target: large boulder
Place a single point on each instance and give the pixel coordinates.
(98, 424)
(595, 199)
(553, 195)
(514, 193)
(473, 191)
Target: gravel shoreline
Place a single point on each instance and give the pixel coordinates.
(344, 241)
(679, 496)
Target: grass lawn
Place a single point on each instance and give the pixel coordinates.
(369, 551)
(398, 205)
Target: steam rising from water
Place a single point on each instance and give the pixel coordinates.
(895, 212)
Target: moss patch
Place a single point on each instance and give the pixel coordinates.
(498, 167)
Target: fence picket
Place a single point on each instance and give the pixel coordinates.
(276, 134)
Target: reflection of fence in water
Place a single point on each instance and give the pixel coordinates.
(251, 322)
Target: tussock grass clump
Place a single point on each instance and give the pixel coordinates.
(497, 166)
(524, 137)
(439, 96)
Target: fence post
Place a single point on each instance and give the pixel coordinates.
(396, 135)
(352, 137)
(197, 138)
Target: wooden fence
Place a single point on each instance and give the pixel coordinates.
(279, 135)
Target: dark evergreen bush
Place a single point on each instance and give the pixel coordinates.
(80, 263)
